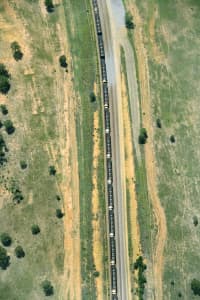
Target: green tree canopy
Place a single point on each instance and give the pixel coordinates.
(195, 286)
(35, 229)
(47, 288)
(6, 239)
(19, 252)
(4, 259)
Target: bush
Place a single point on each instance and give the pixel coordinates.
(96, 274)
(4, 109)
(4, 85)
(59, 213)
(92, 97)
(172, 139)
(19, 252)
(58, 197)
(195, 221)
(143, 136)
(129, 21)
(3, 71)
(47, 288)
(35, 229)
(52, 170)
(49, 5)
(158, 123)
(6, 239)
(23, 164)
(63, 61)
(17, 53)
(4, 259)
(195, 286)
(9, 126)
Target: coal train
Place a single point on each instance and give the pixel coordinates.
(110, 198)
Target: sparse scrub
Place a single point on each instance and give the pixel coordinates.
(19, 252)
(6, 239)
(47, 288)
(143, 136)
(16, 49)
(4, 259)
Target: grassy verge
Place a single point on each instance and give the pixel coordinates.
(83, 48)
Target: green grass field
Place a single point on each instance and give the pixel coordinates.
(175, 95)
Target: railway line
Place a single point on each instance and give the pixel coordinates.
(108, 147)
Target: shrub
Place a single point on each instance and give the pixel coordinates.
(58, 197)
(172, 139)
(129, 21)
(96, 274)
(4, 259)
(23, 164)
(3, 71)
(9, 126)
(195, 221)
(92, 97)
(158, 123)
(4, 109)
(6, 239)
(52, 170)
(195, 286)
(4, 85)
(47, 288)
(35, 229)
(143, 136)
(59, 213)
(49, 5)
(63, 61)
(19, 252)
(17, 53)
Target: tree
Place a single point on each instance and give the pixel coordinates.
(3, 71)
(143, 136)
(4, 109)
(35, 229)
(49, 5)
(59, 213)
(92, 97)
(6, 239)
(4, 259)
(52, 170)
(19, 252)
(4, 85)
(195, 221)
(129, 21)
(9, 126)
(158, 123)
(17, 53)
(63, 61)
(58, 197)
(195, 286)
(47, 288)
(172, 139)
(23, 164)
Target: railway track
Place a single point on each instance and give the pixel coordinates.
(109, 173)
